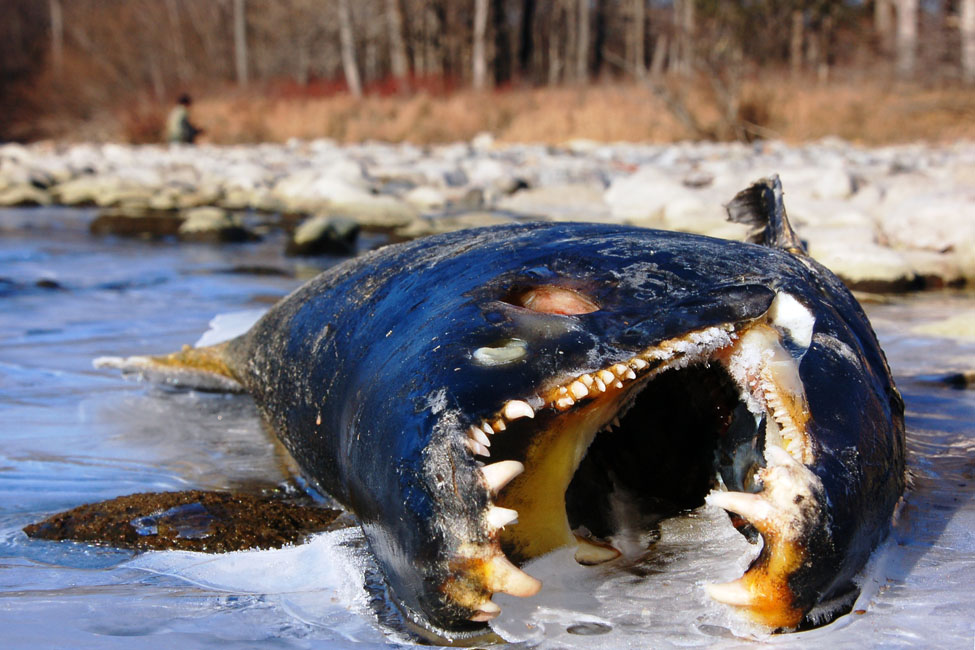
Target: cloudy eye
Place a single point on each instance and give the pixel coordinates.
(553, 300)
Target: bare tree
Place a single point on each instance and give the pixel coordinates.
(57, 35)
(478, 53)
(349, 65)
(795, 41)
(526, 40)
(966, 24)
(240, 41)
(684, 21)
(638, 38)
(397, 46)
(883, 24)
(906, 38)
(582, 41)
(502, 42)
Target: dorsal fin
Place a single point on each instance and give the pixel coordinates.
(760, 206)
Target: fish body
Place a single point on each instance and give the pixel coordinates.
(482, 397)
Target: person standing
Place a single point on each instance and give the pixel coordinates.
(178, 126)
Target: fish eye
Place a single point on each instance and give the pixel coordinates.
(552, 299)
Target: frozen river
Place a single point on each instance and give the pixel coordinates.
(70, 435)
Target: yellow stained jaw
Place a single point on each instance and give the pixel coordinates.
(527, 515)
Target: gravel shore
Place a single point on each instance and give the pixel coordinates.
(889, 218)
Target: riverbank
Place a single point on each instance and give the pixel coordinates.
(883, 218)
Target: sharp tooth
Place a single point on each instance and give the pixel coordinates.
(486, 611)
(498, 517)
(477, 448)
(563, 390)
(590, 553)
(638, 363)
(629, 374)
(507, 578)
(578, 389)
(487, 428)
(750, 506)
(517, 409)
(497, 475)
(564, 402)
(600, 385)
(586, 379)
(731, 593)
(616, 422)
(606, 376)
(618, 384)
(477, 434)
(499, 425)
(778, 456)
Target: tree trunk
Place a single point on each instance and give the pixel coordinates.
(795, 42)
(179, 45)
(684, 41)
(966, 25)
(638, 36)
(57, 36)
(556, 25)
(659, 57)
(502, 43)
(398, 60)
(349, 65)
(478, 50)
(599, 39)
(906, 38)
(688, 32)
(582, 41)
(240, 41)
(883, 24)
(526, 42)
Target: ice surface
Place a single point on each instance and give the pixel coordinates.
(73, 435)
(319, 583)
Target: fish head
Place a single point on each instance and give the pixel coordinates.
(553, 378)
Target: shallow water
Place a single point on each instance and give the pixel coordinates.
(72, 435)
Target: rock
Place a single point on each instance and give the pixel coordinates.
(213, 226)
(424, 227)
(324, 234)
(960, 326)
(78, 191)
(933, 222)
(24, 195)
(641, 196)
(863, 265)
(559, 203)
(426, 198)
(375, 212)
(483, 141)
(492, 176)
(135, 222)
(202, 196)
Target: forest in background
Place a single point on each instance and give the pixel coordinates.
(441, 70)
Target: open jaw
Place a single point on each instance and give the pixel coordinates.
(717, 415)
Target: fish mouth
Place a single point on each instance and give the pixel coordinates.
(716, 415)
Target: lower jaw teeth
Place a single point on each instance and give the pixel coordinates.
(590, 553)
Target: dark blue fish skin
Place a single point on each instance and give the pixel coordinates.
(366, 373)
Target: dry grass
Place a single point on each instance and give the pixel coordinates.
(870, 113)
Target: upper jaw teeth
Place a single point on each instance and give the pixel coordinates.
(769, 377)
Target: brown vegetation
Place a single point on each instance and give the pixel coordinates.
(534, 70)
(864, 112)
